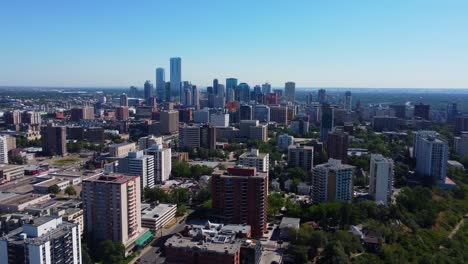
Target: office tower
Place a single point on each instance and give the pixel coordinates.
(279, 92)
(309, 99)
(3, 150)
(133, 91)
(44, 240)
(160, 83)
(271, 99)
(431, 153)
(112, 210)
(260, 161)
(460, 145)
(239, 196)
(149, 141)
(176, 78)
(332, 181)
(290, 91)
(326, 122)
(301, 156)
(279, 114)
(285, 141)
(322, 96)
(162, 162)
(122, 113)
(124, 100)
(201, 116)
(452, 112)
(461, 124)
(136, 163)
(219, 120)
(167, 92)
(337, 146)
(149, 91)
(384, 123)
(208, 136)
(169, 121)
(195, 97)
(243, 93)
(54, 140)
(188, 96)
(300, 127)
(189, 136)
(380, 178)
(400, 110)
(215, 86)
(347, 101)
(245, 112)
(252, 129)
(83, 113)
(266, 88)
(422, 110)
(261, 113)
(231, 85)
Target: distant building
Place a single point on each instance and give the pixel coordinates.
(332, 181)
(219, 120)
(279, 114)
(284, 141)
(245, 112)
(290, 91)
(460, 145)
(54, 140)
(422, 110)
(148, 141)
(326, 122)
(121, 149)
(431, 153)
(400, 110)
(176, 78)
(124, 100)
(45, 240)
(252, 129)
(300, 127)
(160, 84)
(3, 150)
(162, 162)
(381, 178)
(301, 156)
(461, 124)
(169, 121)
(136, 163)
(122, 113)
(348, 101)
(384, 123)
(337, 146)
(322, 96)
(255, 159)
(83, 113)
(261, 113)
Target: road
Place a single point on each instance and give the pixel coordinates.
(149, 254)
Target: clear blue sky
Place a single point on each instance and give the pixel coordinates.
(316, 43)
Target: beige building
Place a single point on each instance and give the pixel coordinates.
(169, 121)
(121, 150)
(111, 204)
(10, 172)
(301, 156)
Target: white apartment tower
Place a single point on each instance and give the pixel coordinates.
(380, 178)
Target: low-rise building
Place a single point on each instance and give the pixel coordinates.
(10, 172)
(155, 217)
(287, 225)
(121, 150)
(43, 187)
(19, 202)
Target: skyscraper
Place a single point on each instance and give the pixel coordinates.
(169, 121)
(290, 91)
(136, 163)
(337, 146)
(231, 85)
(160, 84)
(162, 162)
(431, 153)
(322, 96)
(380, 178)
(348, 101)
(266, 88)
(301, 156)
(326, 122)
(149, 91)
(123, 100)
(176, 78)
(332, 181)
(54, 140)
(3, 150)
(243, 93)
(422, 110)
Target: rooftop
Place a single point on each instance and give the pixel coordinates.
(156, 211)
(111, 178)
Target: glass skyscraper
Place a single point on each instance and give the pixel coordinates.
(231, 84)
(176, 78)
(160, 83)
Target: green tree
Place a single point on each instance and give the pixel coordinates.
(180, 169)
(202, 195)
(156, 194)
(181, 209)
(111, 252)
(54, 189)
(70, 190)
(180, 196)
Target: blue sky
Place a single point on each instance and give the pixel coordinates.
(316, 43)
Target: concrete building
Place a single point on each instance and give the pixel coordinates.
(136, 163)
(245, 112)
(162, 162)
(3, 150)
(112, 209)
(83, 113)
(156, 216)
(384, 123)
(261, 113)
(219, 120)
(461, 124)
(46, 240)
(148, 141)
(422, 110)
(279, 114)
(255, 159)
(431, 153)
(201, 116)
(348, 101)
(122, 113)
(54, 140)
(239, 196)
(169, 121)
(285, 141)
(332, 181)
(460, 145)
(290, 91)
(121, 149)
(301, 156)
(300, 127)
(10, 172)
(252, 129)
(381, 178)
(327, 121)
(189, 136)
(337, 146)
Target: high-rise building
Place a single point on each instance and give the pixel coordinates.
(326, 122)
(242, 93)
(285, 141)
(122, 113)
(189, 136)
(176, 78)
(452, 112)
(461, 124)
(271, 99)
(290, 91)
(332, 181)
(260, 161)
(380, 178)
(279, 114)
(45, 240)
(300, 127)
(384, 123)
(261, 113)
(460, 145)
(124, 100)
(31, 117)
(219, 120)
(83, 113)
(136, 163)
(400, 110)
(245, 112)
(266, 88)
(301, 156)
(3, 150)
(112, 210)
(160, 84)
(195, 97)
(208, 136)
(13, 117)
(169, 121)
(162, 162)
(252, 129)
(231, 85)
(148, 142)
(337, 146)
(149, 91)
(348, 101)
(239, 196)
(422, 110)
(322, 96)
(201, 116)
(431, 153)
(54, 140)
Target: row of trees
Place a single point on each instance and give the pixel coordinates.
(184, 170)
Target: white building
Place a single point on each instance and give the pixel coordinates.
(431, 153)
(136, 163)
(255, 159)
(162, 162)
(47, 240)
(460, 145)
(155, 217)
(219, 120)
(3, 150)
(380, 178)
(284, 141)
(332, 181)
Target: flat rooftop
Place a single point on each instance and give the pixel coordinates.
(112, 178)
(156, 211)
(4, 167)
(21, 199)
(219, 244)
(51, 182)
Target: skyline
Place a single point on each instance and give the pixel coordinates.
(320, 44)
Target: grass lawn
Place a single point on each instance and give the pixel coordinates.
(66, 161)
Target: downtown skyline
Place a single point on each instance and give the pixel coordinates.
(313, 43)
